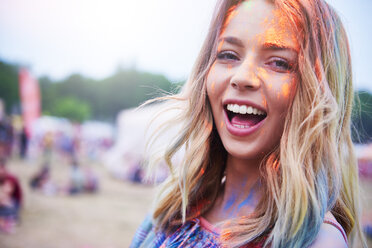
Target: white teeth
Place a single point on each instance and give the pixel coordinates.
(250, 110)
(236, 108)
(243, 109)
(240, 126)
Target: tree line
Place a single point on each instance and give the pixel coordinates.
(80, 98)
(101, 99)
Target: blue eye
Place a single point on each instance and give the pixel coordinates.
(227, 55)
(280, 65)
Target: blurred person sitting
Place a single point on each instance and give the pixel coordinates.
(10, 199)
(40, 177)
(91, 181)
(41, 181)
(77, 180)
(82, 180)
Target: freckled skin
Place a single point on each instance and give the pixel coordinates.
(251, 72)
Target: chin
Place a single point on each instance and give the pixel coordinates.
(242, 153)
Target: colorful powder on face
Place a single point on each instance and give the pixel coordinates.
(262, 73)
(231, 13)
(220, 44)
(285, 90)
(264, 102)
(278, 32)
(213, 87)
(253, 79)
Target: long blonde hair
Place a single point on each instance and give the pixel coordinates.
(314, 169)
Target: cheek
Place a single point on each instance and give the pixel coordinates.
(281, 94)
(211, 83)
(211, 87)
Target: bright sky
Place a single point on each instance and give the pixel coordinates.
(93, 37)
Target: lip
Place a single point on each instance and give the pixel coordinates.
(241, 132)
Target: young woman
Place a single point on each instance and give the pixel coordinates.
(268, 159)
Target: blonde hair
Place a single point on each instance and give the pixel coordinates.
(314, 169)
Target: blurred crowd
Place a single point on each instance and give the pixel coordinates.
(49, 142)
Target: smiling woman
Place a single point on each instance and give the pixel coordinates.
(268, 155)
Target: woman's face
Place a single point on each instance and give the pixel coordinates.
(253, 79)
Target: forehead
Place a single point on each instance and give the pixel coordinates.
(260, 21)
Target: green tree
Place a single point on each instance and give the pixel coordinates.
(124, 89)
(102, 99)
(72, 109)
(9, 90)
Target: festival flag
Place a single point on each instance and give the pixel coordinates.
(30, 98)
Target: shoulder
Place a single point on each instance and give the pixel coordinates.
(331, 234)
(142, 232)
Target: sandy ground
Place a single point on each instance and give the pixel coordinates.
(107, 219)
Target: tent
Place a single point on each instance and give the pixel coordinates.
(134, 128)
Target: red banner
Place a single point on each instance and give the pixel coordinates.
(30, 98)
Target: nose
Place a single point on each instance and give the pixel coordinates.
(245, 76)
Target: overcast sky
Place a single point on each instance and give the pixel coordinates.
(94, 37)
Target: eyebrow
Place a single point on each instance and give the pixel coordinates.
(266, 46)
(232, 41)
(277, 47)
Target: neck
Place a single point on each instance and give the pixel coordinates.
(241, 190)
(241, 186)
(241, 173)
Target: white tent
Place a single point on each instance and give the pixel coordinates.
(93, 130)
(134, 127)
(46, 124)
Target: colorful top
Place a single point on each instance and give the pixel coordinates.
(197, 233)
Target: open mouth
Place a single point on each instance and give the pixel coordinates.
(243, 116)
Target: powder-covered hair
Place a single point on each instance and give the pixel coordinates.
(314, 169)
